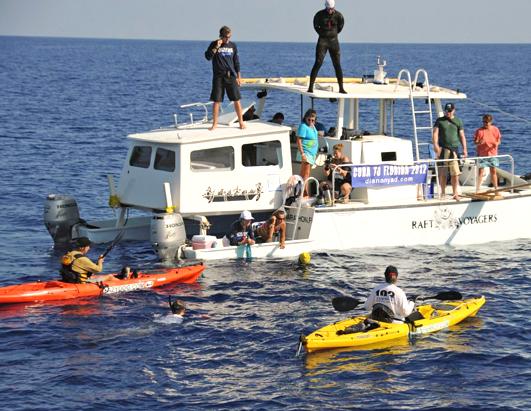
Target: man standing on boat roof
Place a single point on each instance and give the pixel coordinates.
(328, 23)
(226, 74)
(448, 134)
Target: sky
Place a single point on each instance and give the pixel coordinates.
(367, 21)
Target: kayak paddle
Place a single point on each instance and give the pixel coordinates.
(443, 296)
(344, 303)
(114, 242)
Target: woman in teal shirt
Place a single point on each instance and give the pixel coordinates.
(307, 144)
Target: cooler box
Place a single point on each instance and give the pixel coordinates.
(202, 241)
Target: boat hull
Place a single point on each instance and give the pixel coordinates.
(263, 250)
(424, 223)
(58, 290)
(437, 317)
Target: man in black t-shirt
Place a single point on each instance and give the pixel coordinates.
(226, 74)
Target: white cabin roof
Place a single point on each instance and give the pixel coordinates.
(195, 133)
(326, 87)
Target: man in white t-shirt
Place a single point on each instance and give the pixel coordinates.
(391, 297)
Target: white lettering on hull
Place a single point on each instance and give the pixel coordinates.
(431, 328)
(444, 219)
(112, 289)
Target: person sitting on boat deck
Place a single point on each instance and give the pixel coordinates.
(250, 114)
(77, 267)
(307, 144)
(241, 231)
(226, 74)
(387, 302)
(328, 23)
(278, 118)
(342, 180)
(487, 140)
(275, 224)
(448, 133)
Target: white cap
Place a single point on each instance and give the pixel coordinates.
(246, 215)
(330, 4)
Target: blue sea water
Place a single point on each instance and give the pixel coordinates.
(66, 106)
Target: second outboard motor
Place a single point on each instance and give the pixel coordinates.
(60, 214)
(167, 234)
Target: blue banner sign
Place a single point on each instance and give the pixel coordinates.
(388, 175)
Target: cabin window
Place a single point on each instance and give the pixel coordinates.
(165, 160)
(213, 159)
(389, 156)
(266, 153)
(140, 157)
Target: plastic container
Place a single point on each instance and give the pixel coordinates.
(202, 241)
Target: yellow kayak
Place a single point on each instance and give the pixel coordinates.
(360, 331)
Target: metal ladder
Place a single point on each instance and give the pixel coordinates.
(426, 86)
(298, 205)
(412, 86)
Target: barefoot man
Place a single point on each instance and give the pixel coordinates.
(226, 74)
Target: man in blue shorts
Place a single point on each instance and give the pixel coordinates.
(226, 74)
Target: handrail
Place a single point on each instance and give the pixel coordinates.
(191, 115)
(301, 196)
(435, 163)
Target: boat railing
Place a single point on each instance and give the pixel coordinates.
(190, 114)
(434, 164)
(299, 204)
(432, 176)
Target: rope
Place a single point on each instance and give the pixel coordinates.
(501, 111)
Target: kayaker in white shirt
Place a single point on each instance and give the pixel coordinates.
(391, 296)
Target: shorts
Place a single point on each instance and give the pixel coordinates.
(488, 162)
(453, 166)
(222, 84)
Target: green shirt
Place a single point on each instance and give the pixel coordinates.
(449, 132)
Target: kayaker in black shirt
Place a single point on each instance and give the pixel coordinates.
(328, 23)
(226, 74)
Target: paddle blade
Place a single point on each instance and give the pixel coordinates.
(344, 303)
(444, 296)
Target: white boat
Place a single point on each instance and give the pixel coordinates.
(208, 177)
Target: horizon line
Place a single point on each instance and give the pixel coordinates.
(252, 41)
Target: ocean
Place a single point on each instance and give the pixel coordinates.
(66, 106)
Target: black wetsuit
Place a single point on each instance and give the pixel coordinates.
(328, 26)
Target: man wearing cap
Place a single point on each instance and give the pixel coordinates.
(448, 134)
(241, 231)
(77, 267)
(226, 74)
(328, 23)
(390, 296)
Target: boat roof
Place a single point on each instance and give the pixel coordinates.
(199, 132)
(358, 88)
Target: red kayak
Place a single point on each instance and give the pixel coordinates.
(58, 290)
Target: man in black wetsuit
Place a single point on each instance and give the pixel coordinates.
(226, 74)
(328, 23)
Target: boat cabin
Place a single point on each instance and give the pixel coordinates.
(209, 172)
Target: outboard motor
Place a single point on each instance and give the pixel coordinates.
(60, 214)
(167, 234)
